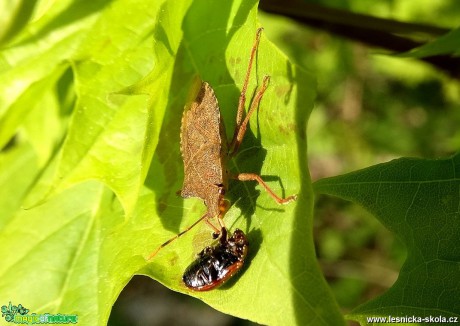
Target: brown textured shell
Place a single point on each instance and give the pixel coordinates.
(204, 149)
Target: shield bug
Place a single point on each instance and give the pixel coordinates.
(205, 150)
(216, 264)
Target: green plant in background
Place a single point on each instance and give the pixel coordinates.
(90, 112)
(415, 199)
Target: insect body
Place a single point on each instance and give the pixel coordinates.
(205, 152)
(217, 264)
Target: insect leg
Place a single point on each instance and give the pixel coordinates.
(216, 230)
(255, 177)
(204, 217)
(223, 236)
(224, 205)
(242, 100)
(241, 130)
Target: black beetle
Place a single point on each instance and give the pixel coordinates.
(216, 264)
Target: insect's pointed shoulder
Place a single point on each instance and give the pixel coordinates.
(194, 90)
(200, 94)
(207, 95)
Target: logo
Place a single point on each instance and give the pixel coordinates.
(20, 315)
(10, 311)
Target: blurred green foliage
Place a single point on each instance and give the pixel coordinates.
(371, 107)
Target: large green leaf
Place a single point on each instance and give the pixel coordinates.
(108, 48)
(419, 201)
(281, 283)
(83, 243)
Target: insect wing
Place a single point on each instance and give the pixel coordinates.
(201, 144)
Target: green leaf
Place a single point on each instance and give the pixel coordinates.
(281, 283)
(36, 53)
(418, 200)
(106, 140)
(446, 44)
(27, 117)
(18, 169)
(82, 245)
(106, 55)
(15, 15)
(56, 249)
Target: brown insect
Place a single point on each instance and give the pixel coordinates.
(206, 150)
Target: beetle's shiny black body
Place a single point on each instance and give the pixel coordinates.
(217, 264)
